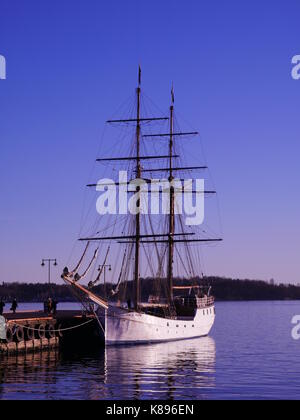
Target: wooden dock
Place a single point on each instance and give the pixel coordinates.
(30, 331)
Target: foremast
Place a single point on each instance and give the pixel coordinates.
(137, 294)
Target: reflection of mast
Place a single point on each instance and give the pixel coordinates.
(137, 218)
(172, 216)
(162, 368)
(171, 373)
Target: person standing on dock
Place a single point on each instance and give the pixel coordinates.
(49, 305)
(2, 304)
(14, 305)
(54, 306)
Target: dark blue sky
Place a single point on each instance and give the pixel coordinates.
(71, 63)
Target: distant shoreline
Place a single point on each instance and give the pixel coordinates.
(223, 289)
(217, 301)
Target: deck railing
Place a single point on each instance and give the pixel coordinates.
(203, 302)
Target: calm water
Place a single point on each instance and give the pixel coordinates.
(250, 354)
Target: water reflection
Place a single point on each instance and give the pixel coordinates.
(24, 371)
(184, 369)
(260, 361)
(168, 370)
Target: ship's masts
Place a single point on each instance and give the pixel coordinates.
(171, 217)
(137, 232)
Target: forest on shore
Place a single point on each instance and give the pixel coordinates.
(224, 289)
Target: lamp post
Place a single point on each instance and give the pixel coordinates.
(104, 267)
(49, 261)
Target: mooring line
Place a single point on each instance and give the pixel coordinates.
(99, 322)
(60, 330)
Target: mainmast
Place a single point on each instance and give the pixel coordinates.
(137, 294)
(172, 215)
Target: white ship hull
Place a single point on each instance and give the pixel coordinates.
(129, 327)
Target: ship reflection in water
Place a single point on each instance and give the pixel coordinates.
(168, 370)
(183, 369)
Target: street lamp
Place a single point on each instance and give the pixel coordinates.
(104, 267)
(49, 261)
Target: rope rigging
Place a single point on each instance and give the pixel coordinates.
(93, 283)
(77, 276)
(156, 260)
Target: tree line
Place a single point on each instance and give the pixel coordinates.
(224, 289)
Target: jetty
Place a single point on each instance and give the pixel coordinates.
(30, 331)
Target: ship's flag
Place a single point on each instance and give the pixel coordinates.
(172, 94)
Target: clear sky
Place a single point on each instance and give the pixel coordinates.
(71, 63)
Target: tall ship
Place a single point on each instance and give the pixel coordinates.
(157, 292)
